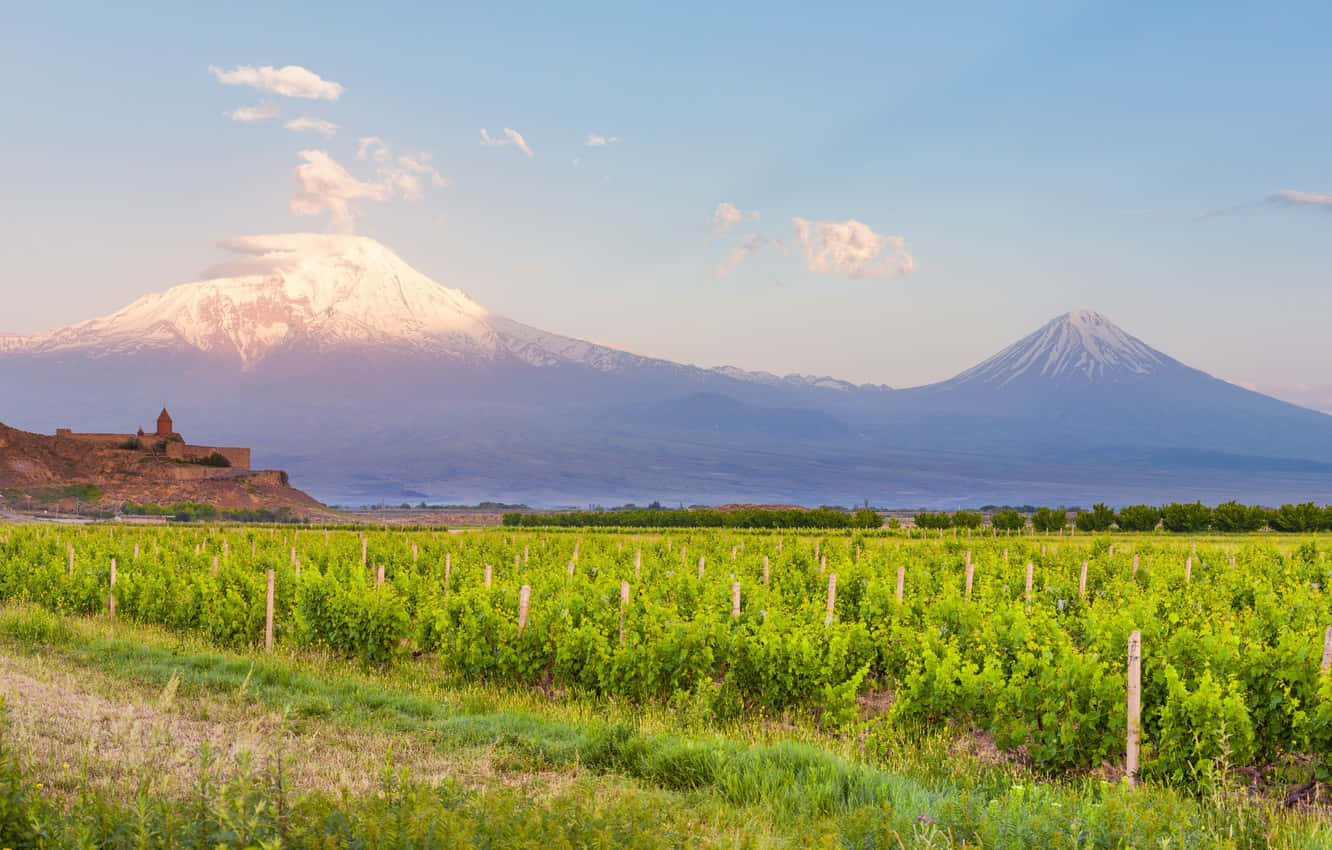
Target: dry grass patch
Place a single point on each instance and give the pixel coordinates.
(77, 728)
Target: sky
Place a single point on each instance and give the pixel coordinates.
(881, 192)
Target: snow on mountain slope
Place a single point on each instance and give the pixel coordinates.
(1082, 346)
(322, 293)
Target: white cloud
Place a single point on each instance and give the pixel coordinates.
(420, 164)
(306, 124)
(853, 249)
(288, 81)
(511, 137)
(596, 141)
(726, 216)
(328, 187)
(1301, 199)
(372, 146)
(253, 114)
(751, 245)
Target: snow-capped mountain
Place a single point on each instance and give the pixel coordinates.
(320, 294)
(336, 360)
(1082, 346)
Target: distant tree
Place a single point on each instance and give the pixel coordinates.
(967, 519)
(867, 518)
(1186, 519)
(928, 519)
(1138, 518)
(1008, 520)
(1049, 519)
(1099, 518)
(1297, 518)
(1232, 516)
(894, 523)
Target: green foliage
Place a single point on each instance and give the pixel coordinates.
(1185, 518)
(1233, 517)
(934, 520)
(696, 518)
(1008, 520)
(213, 459)
(1298, 518)
(1099, 518)
(967, 519)
(1049, 519)
(1138, 518)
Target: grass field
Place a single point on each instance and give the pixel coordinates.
(417, 711)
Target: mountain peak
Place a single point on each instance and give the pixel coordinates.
(1082, 346)
(308, 289)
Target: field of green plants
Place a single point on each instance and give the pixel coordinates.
(865, 640)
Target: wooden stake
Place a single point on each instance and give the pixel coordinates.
(448, 568)
(970, 573)
(111, 597)
(214, 566)
(701, 560)
(1327, 652)
(901, 582)
(379, 577)
(364, 544)
(524, 596)
(765, 570)
(487, 576)
(571, 569)
(1029, 569)
(1082, 582)
(832, 595)
(1188, 569)
(71, 561)
(735, 600)
(416, 554)
(1135, 563)
(624, 603)
(1134, 706)
(268, 616)
(638, 563)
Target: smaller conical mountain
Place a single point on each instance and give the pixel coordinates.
(1082, 347)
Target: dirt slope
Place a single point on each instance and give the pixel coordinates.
(36, 469)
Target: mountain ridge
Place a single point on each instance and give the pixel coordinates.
(368, 379)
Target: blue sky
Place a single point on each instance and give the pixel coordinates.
(1027, 159)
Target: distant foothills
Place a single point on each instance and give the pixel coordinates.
(331, 357)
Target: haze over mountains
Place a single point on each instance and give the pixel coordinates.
(336, 360)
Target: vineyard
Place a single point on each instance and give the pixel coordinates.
(1022, 639)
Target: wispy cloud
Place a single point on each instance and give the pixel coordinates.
(306, 124)
(372, 147)
(853, 249)
(1290, 197)
(420, 164)
(511, 137)
(253, 114)
(751, 245)
(325, 186)
(288, 81)
(597, 141)
(726, 216)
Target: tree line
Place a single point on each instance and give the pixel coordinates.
(702, 518)
(1181, 517)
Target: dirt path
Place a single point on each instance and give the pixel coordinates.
(76, 727)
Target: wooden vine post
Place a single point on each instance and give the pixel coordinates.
(487, 576)
(735, 600)
(268, 616)
(524, 597)
(624, 603)
(832, 595)
(1135, 564)
(765, 570)
(1029, 571)
(701, 561)
(971, 572)
(1134, 706)
(1082, 582)
(1327, 652)
(111, 597)
(1188, 570)
(901, 583)
(379, 577)
(638, 563)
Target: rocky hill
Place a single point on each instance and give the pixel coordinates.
(39, 472)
